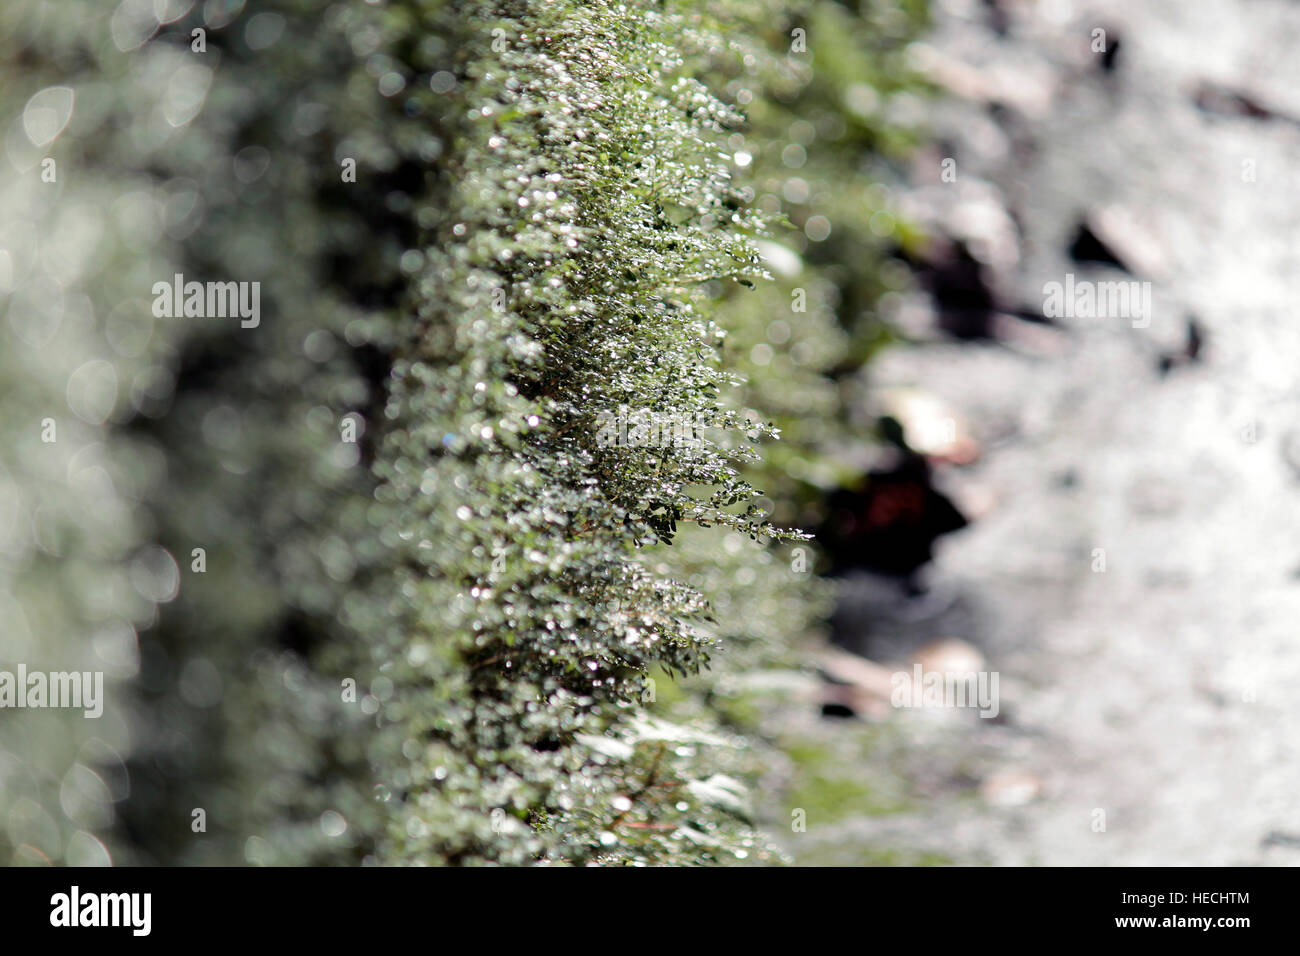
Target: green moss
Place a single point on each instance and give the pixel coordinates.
(829, 786)
(548, 225)
(858, 854)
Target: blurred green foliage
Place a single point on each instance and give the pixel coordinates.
(553, 216)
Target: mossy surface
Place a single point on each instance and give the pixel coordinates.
(369, 581)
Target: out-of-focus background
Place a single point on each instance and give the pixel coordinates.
(1129, 565)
